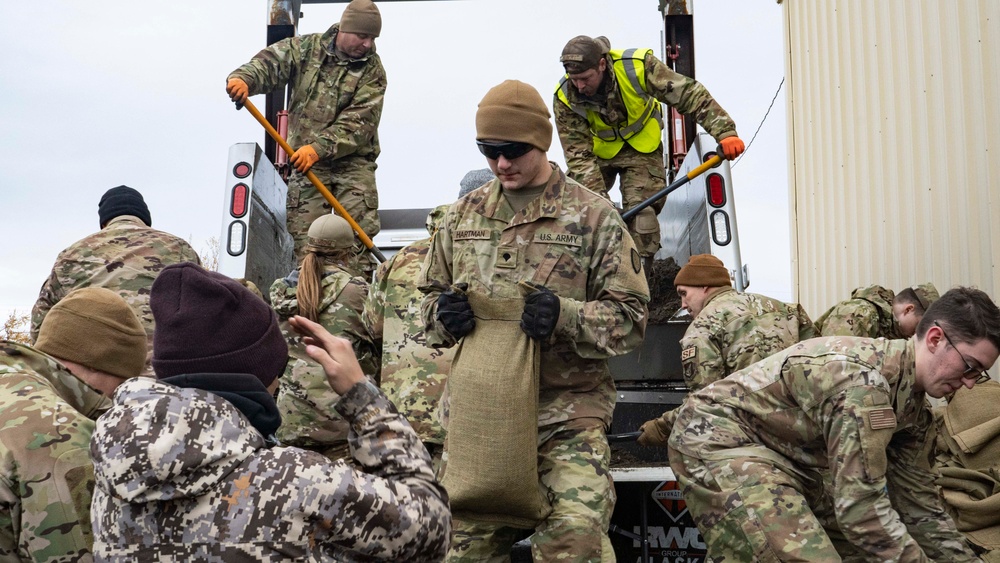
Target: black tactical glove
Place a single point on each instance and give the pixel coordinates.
(541, 311)
(455, 312)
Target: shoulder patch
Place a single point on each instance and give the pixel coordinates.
(880, 419)
(636, 261)
(692, 351)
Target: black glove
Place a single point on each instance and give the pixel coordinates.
(455, 313)
(541, 311)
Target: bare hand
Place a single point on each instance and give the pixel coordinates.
(333, 353)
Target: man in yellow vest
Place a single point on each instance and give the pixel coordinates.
(607, 110)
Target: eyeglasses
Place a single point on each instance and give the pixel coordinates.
(970, 372)
(508, 149)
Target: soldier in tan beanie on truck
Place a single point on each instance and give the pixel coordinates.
(533, 270)
(337, 87)
(50, 395)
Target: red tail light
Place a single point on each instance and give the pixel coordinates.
(238, 207)
(241, 170)
(716, 190)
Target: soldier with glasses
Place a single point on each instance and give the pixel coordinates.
(821, 452)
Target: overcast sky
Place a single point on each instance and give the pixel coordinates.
(97, 94)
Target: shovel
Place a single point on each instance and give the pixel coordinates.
(312, 178)
(710, 163)
(624, 437)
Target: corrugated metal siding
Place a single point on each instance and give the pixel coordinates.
(894, 145)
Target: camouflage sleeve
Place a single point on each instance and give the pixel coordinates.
(56, 521)
(701, 358)
(688, 96)
(51, 293)
(807, 328)
(435, 277)
(343, 318)
(272, 67)
(186, 253)
(356, 125)
(416, 520)
(858, 464)
(916, 498)
(374, 313)
(578, 147)
(47, 478)
(613, 319)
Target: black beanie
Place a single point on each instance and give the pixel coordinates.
(209, 323)
(243, 391)
(122, 200)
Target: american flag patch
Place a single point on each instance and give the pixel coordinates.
(879, 419)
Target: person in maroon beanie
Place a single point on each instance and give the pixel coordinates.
(185, 469)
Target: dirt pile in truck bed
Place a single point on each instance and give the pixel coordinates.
(663, 299)
(624, 458)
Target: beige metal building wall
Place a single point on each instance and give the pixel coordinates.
(894, 145)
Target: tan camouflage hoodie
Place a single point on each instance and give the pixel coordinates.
(182, 476)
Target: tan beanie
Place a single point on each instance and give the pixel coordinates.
(96, 328)
(361, 17)
(514, 111)
(703, 270)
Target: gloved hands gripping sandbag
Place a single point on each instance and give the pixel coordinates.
(491, 471)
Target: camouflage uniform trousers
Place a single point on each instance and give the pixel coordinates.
(750, 509)
(641, 175)
(573, 460)
(352, 182)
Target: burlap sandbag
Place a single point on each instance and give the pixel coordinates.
(491, 446)
(968, 460)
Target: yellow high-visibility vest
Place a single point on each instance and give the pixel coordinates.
(645, 118)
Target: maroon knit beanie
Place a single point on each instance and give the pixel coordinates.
(208, 323)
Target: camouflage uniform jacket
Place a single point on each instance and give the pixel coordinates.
(842, 416)
(46, 477)
(305, 398)
(182, 475)
(867, 313)
(413, 373)
(336, 102)
(683, 93)
(571, 241)
(125, 257)
(733, 331)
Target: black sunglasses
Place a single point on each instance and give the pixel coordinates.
(509, 149)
